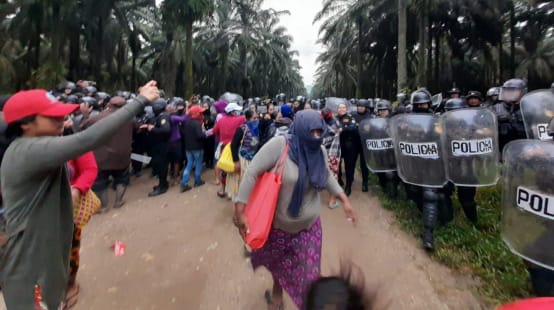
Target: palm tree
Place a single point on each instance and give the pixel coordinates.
(184, 13)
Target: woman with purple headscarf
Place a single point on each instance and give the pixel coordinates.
(292, 252)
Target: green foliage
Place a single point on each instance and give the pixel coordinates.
(209, 46)
(472, 249)
(46, 74)
(470, 44)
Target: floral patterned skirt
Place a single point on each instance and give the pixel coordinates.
(293, 259)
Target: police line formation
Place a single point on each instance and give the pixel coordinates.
(431, 146)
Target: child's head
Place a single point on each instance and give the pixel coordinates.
(344, 292)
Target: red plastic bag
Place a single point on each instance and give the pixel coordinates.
(531, 304)
(262, 203)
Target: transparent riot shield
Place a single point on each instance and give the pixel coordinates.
(333, 104)
(537, 108)
(528, 200)
(470, 145)
(230, 97)
(262, 108)
(418, 151)
(377, 144)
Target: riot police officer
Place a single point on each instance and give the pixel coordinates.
(387, 180)
(466, 194)
(454, 93)
(350, 146)
(492, 96)
(160, 133)
(510, 119)
(362, 112)
(433, 202)
(474, 99)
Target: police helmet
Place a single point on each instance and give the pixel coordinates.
(103, 97)
(124, 94)
(62, 87)
(91, 102)
(257, 101)
(384, 105)
(401, 97)
(72, 99)
(493, 91)
(420, 97)
(512, 90)
(474, 94)
(363, 103)
(552, 87)
(177, 101)
(159, 106)
(353, 102)
(455, 104)
(454, 90)
(90, 91)
(206, 99)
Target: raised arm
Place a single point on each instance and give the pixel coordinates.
(46, 153)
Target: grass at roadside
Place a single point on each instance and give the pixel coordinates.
(467, 248)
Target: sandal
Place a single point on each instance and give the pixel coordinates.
(221, 194)
(72, 297)
(334, 206)
(272, 305)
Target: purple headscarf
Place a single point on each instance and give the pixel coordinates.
(220, 106)
(305, 151)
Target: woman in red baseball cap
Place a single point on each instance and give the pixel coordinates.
(37, 194)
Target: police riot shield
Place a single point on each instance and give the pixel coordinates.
(262, 108)
(470, 147)
(418, 151)
(537, 108)
(333, 104)
(230, 97)
(377, 144)
(528, 200)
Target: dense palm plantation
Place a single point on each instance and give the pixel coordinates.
(207, 46)
(441, 43)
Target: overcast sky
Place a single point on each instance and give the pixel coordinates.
(299, 25)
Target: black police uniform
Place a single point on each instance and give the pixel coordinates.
(350, 149)
(510, 123)
(435, 203)
(359, 117)
(159, 137)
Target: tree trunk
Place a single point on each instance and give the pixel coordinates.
(359, 59)
(423, 45)
(189, 84)
(402, 77)
(512, 40)
(96, 67)
(437, 61)
(74, 55)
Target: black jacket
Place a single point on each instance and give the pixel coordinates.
(193, 135)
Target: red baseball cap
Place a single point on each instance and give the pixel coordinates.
(196, 109)
(35, 102)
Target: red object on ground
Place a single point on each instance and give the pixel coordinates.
(119, 248)
(530, 304)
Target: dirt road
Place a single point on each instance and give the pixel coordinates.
(182, 252)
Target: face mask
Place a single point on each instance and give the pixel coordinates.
(255, 123)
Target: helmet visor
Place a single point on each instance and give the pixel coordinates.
(510, 94)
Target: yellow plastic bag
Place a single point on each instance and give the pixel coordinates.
(226, 162)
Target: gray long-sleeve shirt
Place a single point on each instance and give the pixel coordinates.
(39, 211)
(265, 160)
